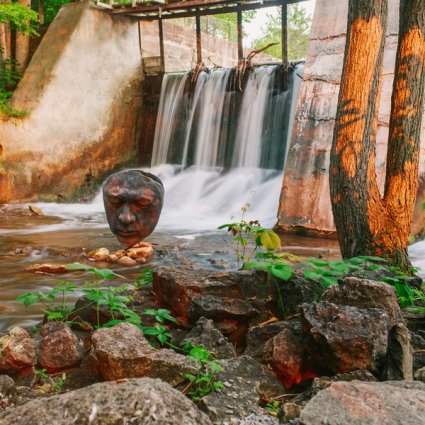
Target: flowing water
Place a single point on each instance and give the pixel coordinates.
(216, 149)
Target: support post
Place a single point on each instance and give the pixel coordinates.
(161, 45)
(284, 34)
(198, 40)
(240, 34)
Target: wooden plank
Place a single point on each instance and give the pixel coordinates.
(192, 8)
(198, 40)
(161, 44)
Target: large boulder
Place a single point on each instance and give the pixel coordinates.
(372, 403)
(346, 338)
(123, 352)
(17, 351)
(142, 401)
(59, 347)
(246, 382)
(363, 293)
(177, 288)
(208, 336)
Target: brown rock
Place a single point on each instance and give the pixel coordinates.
(258, 336)
(144, 251)
(47, 268)
(400, 354)
(363, 293)
(123, 352)
(17, 351)
(346, 338)
(127, 261)
(286, 355)
(35, 210)
(59, 347)
(100, 254)
(290, 411)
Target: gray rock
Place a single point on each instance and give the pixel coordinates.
(372, 403)
(418, 345)
(258, 336)
(294, 293)
(363, 293)
(209, 337)
(142, 401)
(59, 347)
(346, 338)
(7, 386)
(420, 374)
(17, 351)
(323, 382)
(245, 382)
(254, 419)
(221, 308)
(123, 352)
(400, 354)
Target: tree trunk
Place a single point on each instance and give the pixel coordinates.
(22, 44)
(367, 223)
(5, 38)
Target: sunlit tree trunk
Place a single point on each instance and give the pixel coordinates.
(366, 222)
(22, 44)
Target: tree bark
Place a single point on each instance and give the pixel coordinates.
(22, 44)
(368, 223)
(5, 38)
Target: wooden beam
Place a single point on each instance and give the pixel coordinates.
(213, 7)
(240, 34)
(198, 40)
(285, 33)
(161, 45)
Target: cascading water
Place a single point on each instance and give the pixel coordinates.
(231, 150)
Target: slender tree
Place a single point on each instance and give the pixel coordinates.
(366, 221)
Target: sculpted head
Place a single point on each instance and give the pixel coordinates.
(133, 201)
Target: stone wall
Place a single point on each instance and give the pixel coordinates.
(305, 205)
(83, 94)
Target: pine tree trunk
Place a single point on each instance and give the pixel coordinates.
(368, 223)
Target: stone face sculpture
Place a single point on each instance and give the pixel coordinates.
(133, 201)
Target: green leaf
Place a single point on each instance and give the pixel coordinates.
(318, 261)
(328, 281)
(28, 299)
(257, 265)
(270, 239)
(372, 258)
(283, 273)
(310, 274)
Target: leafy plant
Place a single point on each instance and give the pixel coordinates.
(249, 236)
(21, 17)
(145, 278)
(272, 408)
(57, 386)
(206, 380)
(111, 301)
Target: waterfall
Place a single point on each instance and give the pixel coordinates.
(247, 151)
(217, 149)
(170, 102)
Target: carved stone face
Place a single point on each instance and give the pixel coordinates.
(133, 201)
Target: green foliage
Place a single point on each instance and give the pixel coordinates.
(299, 24)
(105, 300)
(206, 380)
(272, 408)
(51, 9)
(249, 236)
(9, 78)
(56, 385)
(145, 278)
(22, 18)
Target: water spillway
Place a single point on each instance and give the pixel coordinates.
(217, 148)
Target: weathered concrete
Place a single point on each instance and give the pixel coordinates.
(83, 94)
(305, 202)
